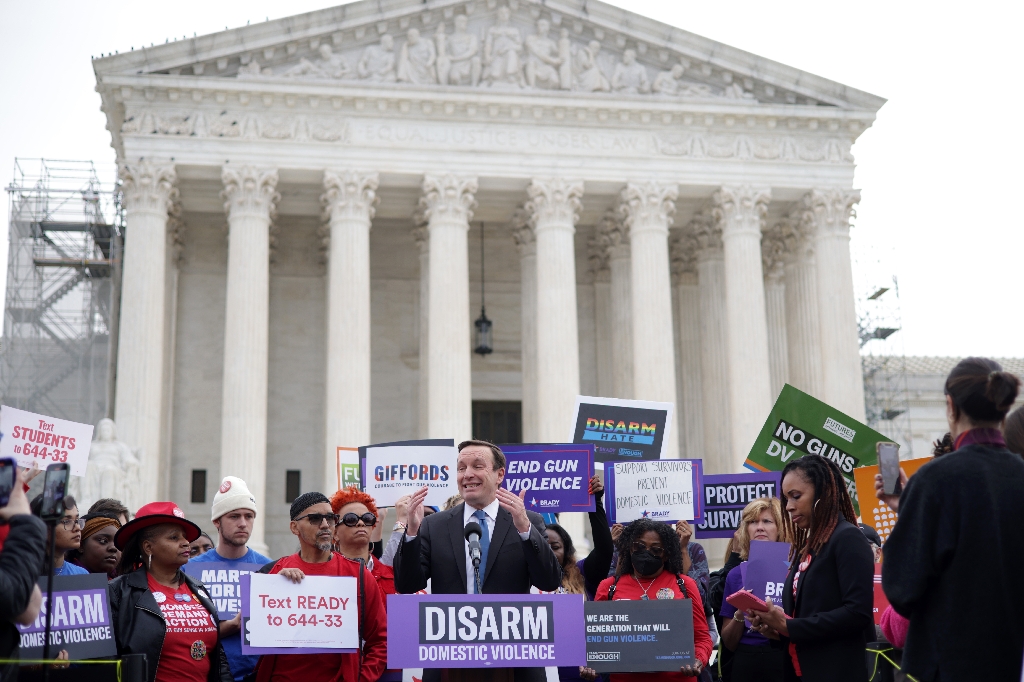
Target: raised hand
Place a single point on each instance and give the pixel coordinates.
(515, 505)
(596, 487)
(416, 501)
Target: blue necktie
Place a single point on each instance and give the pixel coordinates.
(485, 542)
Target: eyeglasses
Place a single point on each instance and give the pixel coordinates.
(351, 519)
(79, 523)
(317, 519)
(656, 550)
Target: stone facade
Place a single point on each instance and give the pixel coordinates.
(301, 196)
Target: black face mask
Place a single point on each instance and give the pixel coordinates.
(645, 563)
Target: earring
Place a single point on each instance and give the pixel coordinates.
(150, 565)
(816, 503)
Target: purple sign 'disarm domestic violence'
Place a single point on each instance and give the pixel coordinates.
(555, 477)
(485, 630)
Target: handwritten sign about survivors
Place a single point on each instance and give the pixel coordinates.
(800, 424)
(622, 429)
(80, 623)
(639, 636)
(725, 496)
(484, 630)
(662, 490)
(318, 615)
(392, 470)
(35, 440)
(224, 584)
(555, 477)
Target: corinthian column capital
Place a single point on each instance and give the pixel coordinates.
(648, 206)
(828, 211)
(707, 234)
(554, 202)
(683, 255)
(149, 187)
(448, 198)
(522, 232)
(420, 232)
(774, 251)
(249, 191)
(740, 210)
(349, 194)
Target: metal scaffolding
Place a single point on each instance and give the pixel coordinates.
(63, 287)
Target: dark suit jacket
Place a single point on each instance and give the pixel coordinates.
(832, 616)
(438, 553)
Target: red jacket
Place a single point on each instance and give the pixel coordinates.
(628, 588)
(335, 667)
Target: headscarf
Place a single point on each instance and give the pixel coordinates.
(96, 524)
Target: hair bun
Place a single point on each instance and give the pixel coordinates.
(1002, 388)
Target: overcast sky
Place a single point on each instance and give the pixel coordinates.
(940, 171)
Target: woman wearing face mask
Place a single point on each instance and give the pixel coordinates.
(651, 567)
(828, 598)
(156, 608)
(955, 509)
(753, 658)
(98, 553)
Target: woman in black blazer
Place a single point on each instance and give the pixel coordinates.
(826, 619)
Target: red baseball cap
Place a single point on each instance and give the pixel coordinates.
(154, 514)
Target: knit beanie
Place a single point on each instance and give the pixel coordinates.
(233, 494)
(305, 501)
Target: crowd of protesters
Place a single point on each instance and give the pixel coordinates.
(954, 554)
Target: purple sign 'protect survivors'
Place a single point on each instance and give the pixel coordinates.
(725, 496)
(555, 477)
(485, 630)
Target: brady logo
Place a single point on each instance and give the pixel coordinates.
(656, 514)
(549, 503)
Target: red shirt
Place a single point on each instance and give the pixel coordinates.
(191, 634)
(335, 667)
(629, 589)
(385, 577)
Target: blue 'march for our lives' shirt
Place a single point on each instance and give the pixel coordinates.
(220, 576)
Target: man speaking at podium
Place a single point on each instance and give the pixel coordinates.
(514, 552)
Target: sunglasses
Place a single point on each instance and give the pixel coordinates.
(351, 519)
(317, 519)
(656, 550)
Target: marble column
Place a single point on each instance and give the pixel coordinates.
(648, 209)
(714, 358)
(803, 326)
(599, 271)
(740, 211)
(250, 198)
(349, 202)
(554, 207)
(613, 236)
(149, 194)
(827, 213)
(422, 236)
(772, 251)
(687, 301)
(448, 205)
(523, 236)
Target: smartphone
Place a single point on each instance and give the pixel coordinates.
(55, 487)
(744, 600)
(8, 474)
(889, 466)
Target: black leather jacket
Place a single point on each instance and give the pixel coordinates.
(139, 625)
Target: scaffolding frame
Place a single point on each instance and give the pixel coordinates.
(66, 236)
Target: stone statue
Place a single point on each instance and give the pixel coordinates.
(113, 471)
(667, 82)
(735, 91)
(377, 63)
(542, 60)
(444, 64)
(502, 47)
(417, 60)
(630, 76)
(250, 70)
(565, 57)
(462, 53)
(329, 65)
(589, 77)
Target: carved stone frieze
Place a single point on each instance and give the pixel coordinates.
(699, 145)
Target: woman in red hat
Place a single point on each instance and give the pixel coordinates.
(159, 611)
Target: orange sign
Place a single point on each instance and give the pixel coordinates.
(873, 512)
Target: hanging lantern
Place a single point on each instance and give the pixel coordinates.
(484, 341)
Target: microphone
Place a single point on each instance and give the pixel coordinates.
(473, 533)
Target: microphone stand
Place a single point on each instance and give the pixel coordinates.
(50, 550)
(476, 575)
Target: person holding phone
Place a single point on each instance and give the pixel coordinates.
(22, 554)
(826, 617)
(67, 534)
(651, 567)
(955, 510)
(158, 610)
(753, 658)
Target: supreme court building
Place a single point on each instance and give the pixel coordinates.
(663, 217)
